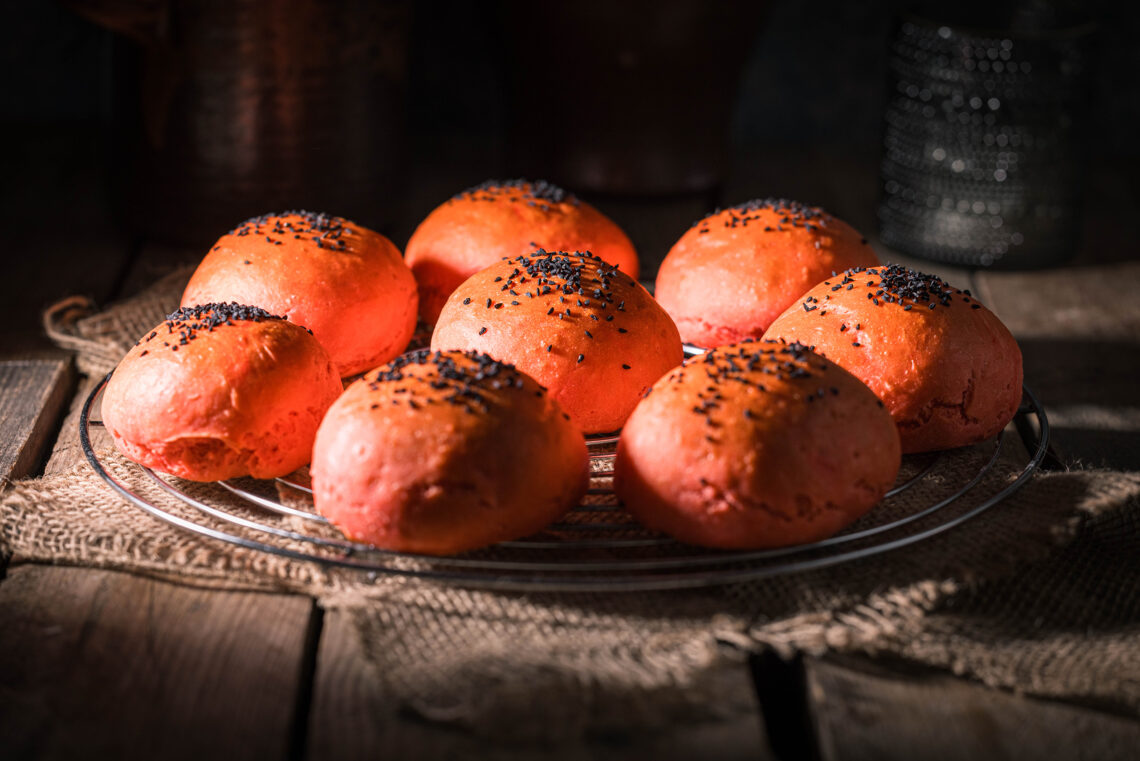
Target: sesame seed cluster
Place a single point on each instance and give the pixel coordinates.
(890, 284)
(539, 193)
(463, 384)
(183, 325)
(792, 213)
(325, 230)
(582, 284)
(754, 366)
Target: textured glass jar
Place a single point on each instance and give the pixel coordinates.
(984, 140)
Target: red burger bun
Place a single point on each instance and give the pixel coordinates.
(582, 328)
(344, 282)
(945, 366)
(440, 453)
(736, 270)
(219, 391)
(506, 218)
(755, 445)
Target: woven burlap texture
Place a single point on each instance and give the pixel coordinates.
(1031, 596)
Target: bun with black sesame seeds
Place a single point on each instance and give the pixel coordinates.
(946, 367)
(582, 328)
(219, 391)
(345, 282)
(506, 218)
(756, 445)
(736, 270)
(440, 453)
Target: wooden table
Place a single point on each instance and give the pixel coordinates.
(97, 663)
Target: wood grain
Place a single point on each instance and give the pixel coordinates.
(99, 664)
(34, 393)
(1080, 345)
(105, 664)
(864, 710)
(352, 718)
(1098, 302)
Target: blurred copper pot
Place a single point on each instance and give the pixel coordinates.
(247, 106)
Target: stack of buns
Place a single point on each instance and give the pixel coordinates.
(543, 335)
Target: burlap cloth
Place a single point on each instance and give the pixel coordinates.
(1040, 594)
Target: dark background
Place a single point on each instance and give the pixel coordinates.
(812, 84)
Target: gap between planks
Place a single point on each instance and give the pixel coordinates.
(862, 709)
(102, 664)
(355, 717)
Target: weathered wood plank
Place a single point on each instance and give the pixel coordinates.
(98, 664)
(1080, 343)
(104, 664)
(32, 395)
(1081, 302)
(865, 710)
(352, 718)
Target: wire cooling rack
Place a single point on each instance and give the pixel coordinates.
(598, 546)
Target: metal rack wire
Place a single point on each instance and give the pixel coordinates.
(597, 546)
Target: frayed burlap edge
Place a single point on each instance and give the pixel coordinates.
(476, 659)
(100, 338)
(471, 657)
